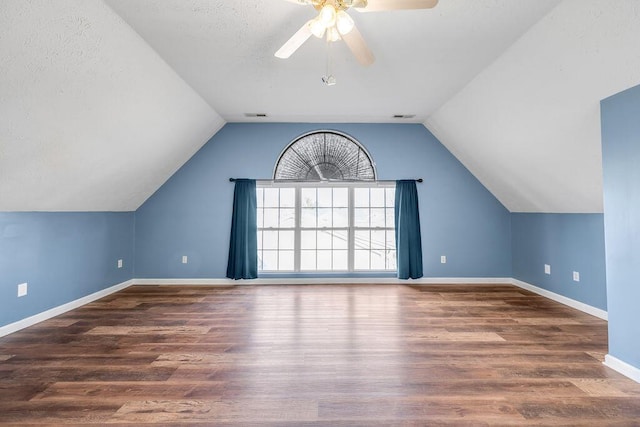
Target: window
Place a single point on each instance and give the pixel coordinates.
(325, 155)
(311, 227)
(344, 223)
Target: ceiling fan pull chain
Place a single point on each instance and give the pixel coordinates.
(329, 78)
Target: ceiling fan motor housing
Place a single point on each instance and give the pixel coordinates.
(339, 4)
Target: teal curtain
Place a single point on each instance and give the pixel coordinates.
(408, 241)
(243, 246)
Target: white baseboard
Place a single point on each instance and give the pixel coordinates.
(325, 281)
(594, 311)
(190, 282)
(56, 311)
(623, 367)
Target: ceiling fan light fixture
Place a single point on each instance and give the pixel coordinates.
(344, 22)
(317, 28)
(327, 15)
(332, 34)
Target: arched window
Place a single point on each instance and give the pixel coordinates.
(325, 211)
(325, 155)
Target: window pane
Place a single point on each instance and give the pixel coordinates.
(285, 260)
(361, 260)
(308, 239)
(361, 197)
(340, 197)
(324, 260)
(377, 239)
(287, 197)
(324, 239)
(287, 218)
(377, 197)
(340, 260)
(391, 220)
(361, 217)
(391, 260)
(391, 239)
(271, 218)
(259, 239)
(271, 197)
(259, 197)
(307, 260)
(308, 219)
(324, 217)
(308, 197)
(286, 240)
(378, 260)
(324, 197)
(270, 239)
(377, 217)
(340, 217)
(270, 260)
(340, 239)
(260, 265)
(390, 196)
(260, 217)
(362, 239)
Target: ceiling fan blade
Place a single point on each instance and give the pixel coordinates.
(354, 40)
(297, 40)
(315, 3)
(381, 5)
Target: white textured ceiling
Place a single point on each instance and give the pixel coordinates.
(91, 118)
(529, 125)
(101, 101)
(224, 50)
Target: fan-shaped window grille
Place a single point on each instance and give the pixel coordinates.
(325, 156)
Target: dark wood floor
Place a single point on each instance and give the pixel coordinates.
(362, 355)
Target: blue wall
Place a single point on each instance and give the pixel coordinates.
(62, 257)
(568, 243)
(191, 213)
(621, 167)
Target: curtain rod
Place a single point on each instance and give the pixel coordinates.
(327, 180)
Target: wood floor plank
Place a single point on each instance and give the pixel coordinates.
(320, 355)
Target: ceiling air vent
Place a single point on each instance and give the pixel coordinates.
(404, 116)
(261, 115)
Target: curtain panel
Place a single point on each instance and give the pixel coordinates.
(243, 246)
(408, 239)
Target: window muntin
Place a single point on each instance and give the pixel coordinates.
(310, 227)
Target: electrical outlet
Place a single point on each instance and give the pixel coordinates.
(119, 263)
(184, 259)
(443, 259)
(547, 269)
(576, 276)
(22, 289)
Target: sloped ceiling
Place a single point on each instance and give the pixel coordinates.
(528, 126)
(91, 118)
(102, 101)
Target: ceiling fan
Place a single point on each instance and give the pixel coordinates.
(334, 23)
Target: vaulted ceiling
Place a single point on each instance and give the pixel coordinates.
(101, 101)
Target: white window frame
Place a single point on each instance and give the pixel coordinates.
(351, 228)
